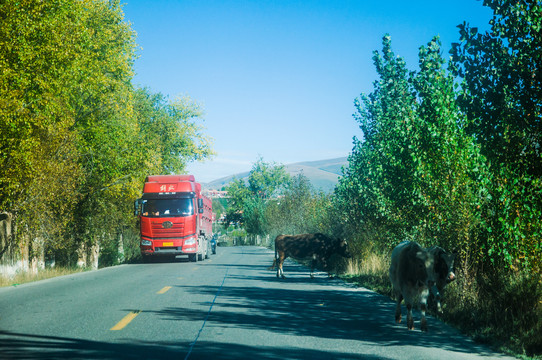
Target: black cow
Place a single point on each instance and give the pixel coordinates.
(444, 272)
(411, 276)
(318, 247)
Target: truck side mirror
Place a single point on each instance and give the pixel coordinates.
(137, 207)
(200, 205)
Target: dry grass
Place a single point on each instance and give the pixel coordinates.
(374, 264)
(371, 272)
(26, 277)
(504, 310)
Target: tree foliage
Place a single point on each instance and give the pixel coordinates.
(248, 202)
(415, 173)
(76, 139)
(378, 184)
(300, 209)
(502, 98)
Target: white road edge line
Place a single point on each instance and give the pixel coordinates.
(206, 317)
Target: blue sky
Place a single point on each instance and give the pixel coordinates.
(278, 79)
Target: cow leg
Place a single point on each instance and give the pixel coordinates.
(423, 324)
(313, 265)
(280, 272)
(409, 295)
(436, 295)
(423, 307)
(410, 320)
(398, 315)
(325, 266)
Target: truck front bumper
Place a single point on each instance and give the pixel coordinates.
(169, 247)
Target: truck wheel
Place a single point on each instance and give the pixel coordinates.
(193, 257)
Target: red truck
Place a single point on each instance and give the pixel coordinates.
(175, 218)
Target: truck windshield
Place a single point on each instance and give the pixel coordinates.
(168, 207)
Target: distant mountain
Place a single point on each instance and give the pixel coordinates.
(323, 174)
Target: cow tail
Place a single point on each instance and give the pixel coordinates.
(274, 261)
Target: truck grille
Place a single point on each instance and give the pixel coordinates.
(174, 230)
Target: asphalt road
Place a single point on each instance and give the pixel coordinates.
(227, 307)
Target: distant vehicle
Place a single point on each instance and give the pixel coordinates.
(213, 244)
(175, 218)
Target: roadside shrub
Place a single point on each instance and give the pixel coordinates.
(500, 309)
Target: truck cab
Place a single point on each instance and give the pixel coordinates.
(175, 218)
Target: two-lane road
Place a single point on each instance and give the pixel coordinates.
(228, 307)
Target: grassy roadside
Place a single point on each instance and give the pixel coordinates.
(27, 277)
(505, 315)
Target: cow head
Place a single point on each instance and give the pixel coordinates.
(342, 248)
(447, 267)
(444, 265)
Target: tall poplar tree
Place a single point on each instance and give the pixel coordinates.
(501, 94)
(415, 173)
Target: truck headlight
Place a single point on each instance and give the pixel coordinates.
(190, 241)
(146, 242)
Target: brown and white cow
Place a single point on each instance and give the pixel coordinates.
(411, 276)
(444, 272)
(317, 247)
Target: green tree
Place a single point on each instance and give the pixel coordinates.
(266, 179)
(36, 142)
(300, 209)
(451, 176)
(248, 202)
(238, 194)
(76, 139)
(170, 133)
(56, 58)
(416, 173)
(104, 122)
(378, 185)
(501, 95)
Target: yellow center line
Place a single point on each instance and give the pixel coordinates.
(164, 289)
(126, 320)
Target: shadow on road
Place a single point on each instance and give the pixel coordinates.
(328, 314)
(252, 298)
(21, 346)
(24, 346)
